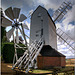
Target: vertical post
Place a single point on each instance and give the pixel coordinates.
(26, 46)
(24, 36)
(15, 55)
(17, 37)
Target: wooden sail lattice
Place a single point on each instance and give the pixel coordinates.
(61, 11)
(66, 40)
(62, 36)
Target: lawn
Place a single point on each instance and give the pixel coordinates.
(56, 70)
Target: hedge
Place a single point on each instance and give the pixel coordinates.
(8, 52)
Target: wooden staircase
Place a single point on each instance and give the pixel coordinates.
(28, 59)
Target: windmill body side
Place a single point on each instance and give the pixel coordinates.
(52, 34)
(40, 20)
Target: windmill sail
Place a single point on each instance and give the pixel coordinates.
(22, 17)
(6, 22)
(9, 13)
(66, 40)
(9, 33)
(57, 16)
(16, 12)
(61, 11)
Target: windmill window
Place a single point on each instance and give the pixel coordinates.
(39, 15)
(41, 18)
(37, 35)
(41, 32)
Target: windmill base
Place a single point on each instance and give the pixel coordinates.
(44, 62)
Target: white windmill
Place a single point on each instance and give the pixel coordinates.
(28, 60)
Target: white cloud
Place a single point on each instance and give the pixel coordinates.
(71, 32)
(65, 24)
(66, 52)
(69, 29)
(70, 16)
(54, 4)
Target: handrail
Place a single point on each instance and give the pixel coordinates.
(35, 50)
(34, 55)
(37, 44)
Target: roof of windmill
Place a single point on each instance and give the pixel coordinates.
(47, 13)
(49, 51)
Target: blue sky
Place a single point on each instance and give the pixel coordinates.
(67, 24)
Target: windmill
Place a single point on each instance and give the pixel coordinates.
(28, 60)
(15, 20)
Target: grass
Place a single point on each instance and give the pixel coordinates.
(59, 70)
(41, 71)
(70, 62)
(6, 67)
(69, 68)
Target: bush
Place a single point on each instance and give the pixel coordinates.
(8, 52)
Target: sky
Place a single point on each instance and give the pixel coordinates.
(27, 6)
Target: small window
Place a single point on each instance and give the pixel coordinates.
(39, 15)
(37, 35)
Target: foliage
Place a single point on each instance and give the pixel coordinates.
(4, 39)
(8, 52)
(2, 32)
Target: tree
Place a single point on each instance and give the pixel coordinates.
(2, 28)
(3, 32)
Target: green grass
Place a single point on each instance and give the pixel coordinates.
(59, 70)
(41, 71)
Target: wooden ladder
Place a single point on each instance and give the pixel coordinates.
(29, 57)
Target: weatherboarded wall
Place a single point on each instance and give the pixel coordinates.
(47, 24)
(36, 25)
(47, 62)
(52, 34)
